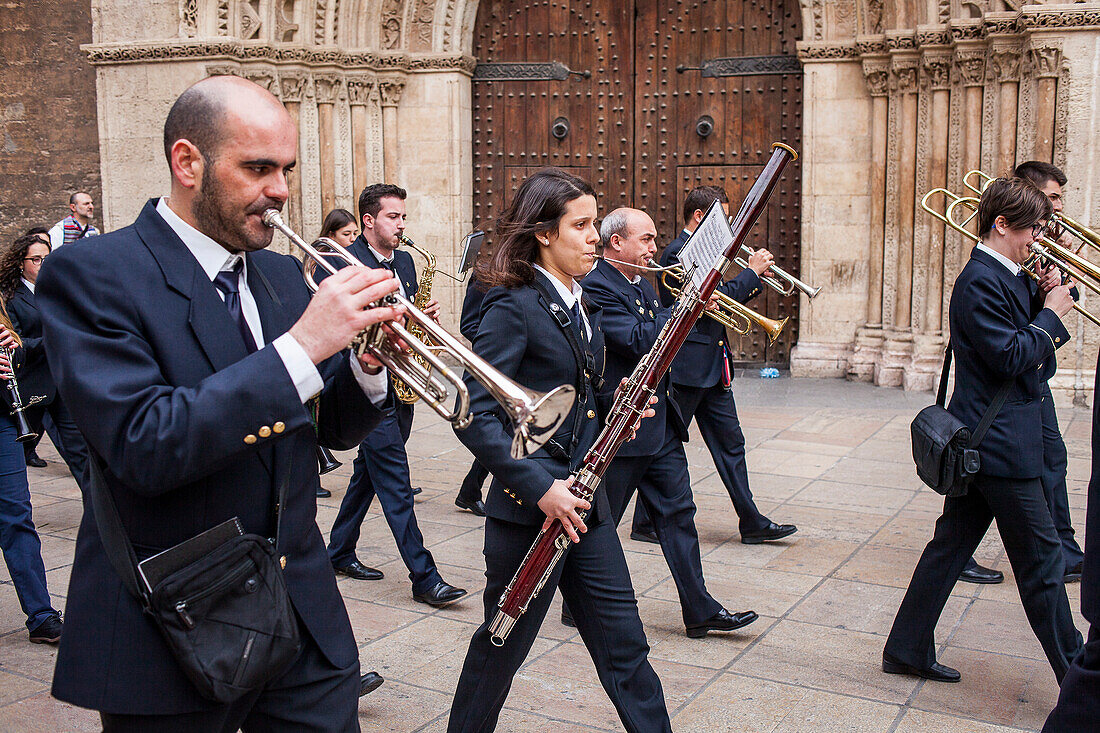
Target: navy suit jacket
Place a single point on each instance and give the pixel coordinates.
(34, 377)
(519, 336)
(471, 309)
(630, 323)
(995, 337)
(699, 362)
(193, 430)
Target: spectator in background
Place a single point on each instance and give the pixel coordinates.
(78, 224)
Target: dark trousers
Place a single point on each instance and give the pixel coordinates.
(1079, 699)
(714, 410)
(18, 537)
(312, 696)
(1055, 463)
(54, 419)
(471, 485)
(381, 467)
(595, 582)
(1029, 537)
(664, 486)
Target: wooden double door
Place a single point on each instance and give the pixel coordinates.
(645, 99)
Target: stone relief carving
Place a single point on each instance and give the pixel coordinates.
(223, 17)
(827, 51)
(327, 88)
(903, 75)
(319, 22)
(1004, 63)
(189, 18)
(392, 12)
(335, 21)
(877, 74)
(266, 78)
(1045, 61)
(391, 91)
(422, 20)
(872, 16)
(843, 21)
(292, 84)
(310, 161)
(286, 30)
(359, 89)
(936, 70)
(970, 66)
(448, 23)
(223, 70)
(249, 19)
(1061, 120)
(343, 179)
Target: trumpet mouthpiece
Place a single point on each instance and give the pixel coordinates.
(271, 217)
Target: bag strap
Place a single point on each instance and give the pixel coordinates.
(566, 325)
(941, 394)
(990, 412)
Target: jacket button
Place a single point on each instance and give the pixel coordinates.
(720, 343)
(591, 414)
(250, 439)
(278, 427)
(1058, 340)
(282, 562)
(264, 432)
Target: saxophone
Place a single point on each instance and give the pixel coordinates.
(423, 295)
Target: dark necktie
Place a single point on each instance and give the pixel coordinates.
(580, 322)
(228, 284)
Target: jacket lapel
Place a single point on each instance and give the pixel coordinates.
(1016, 285)
(273, 316)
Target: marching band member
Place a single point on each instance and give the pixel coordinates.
(536, 328)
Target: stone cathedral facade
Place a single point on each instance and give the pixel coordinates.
(898, 97)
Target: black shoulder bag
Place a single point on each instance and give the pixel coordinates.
(945, 451)
(219, 599)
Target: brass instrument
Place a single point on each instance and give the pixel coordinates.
(733, 315)
(423, 296)
(1076, 267)
(776, 277)
(536, 415)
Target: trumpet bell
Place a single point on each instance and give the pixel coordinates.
(538, 417)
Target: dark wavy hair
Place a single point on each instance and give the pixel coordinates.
(537, 207)
(11, 263)
(336, 220)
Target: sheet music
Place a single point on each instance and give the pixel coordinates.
(709, 240)
(470, 247)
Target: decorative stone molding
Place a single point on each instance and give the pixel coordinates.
(421, 24)
(391, 90)
(969, 67)
(189, 18)
(877, 74)
(319, 22)
(900, 41)
(223, 70)
(392, 13)
(1004, 62)
(871, 45)
(1038, 17)
(903, 74)
(329, 88)
(1045, 61)
(249, 21)
(933, 36)
(360, 89)
(121, 53)
(936, 69)
(265, 78)
(825, 51)
(286, 29)
(293, 85)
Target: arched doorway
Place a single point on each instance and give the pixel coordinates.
(646, 99)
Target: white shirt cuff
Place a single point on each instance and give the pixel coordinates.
(307, 380)
(374, 386)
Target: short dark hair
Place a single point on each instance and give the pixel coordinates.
(38, 230)
(369, 200)
(336, 220)
(701, 197)
(198, 115)
(1017, 200)
(1039, 173)
(72, 197)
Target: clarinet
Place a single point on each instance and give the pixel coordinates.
(551, 544)
(17, 406)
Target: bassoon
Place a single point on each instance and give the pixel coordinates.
(632, 400)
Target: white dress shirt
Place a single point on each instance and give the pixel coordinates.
(213, 258)
(29, 284)
(393, 268)
(569, 295)
(1013, 267)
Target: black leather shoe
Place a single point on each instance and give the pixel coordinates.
(721, 621)
(359, 571)
(937, 672)
(982, 575)
(476, 507)
(772, 532)
(1072, 574)
(567, 620)
(369, 682)
(323, 493)
(417, 490)
(35, 462)
(650, 537)
(440, 595)
(47, 632)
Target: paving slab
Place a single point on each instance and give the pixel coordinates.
(831, 456)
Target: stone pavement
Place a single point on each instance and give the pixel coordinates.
(831, 456)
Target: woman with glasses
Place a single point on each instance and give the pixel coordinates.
(1004, 332)
(19, 540)
(19, 270)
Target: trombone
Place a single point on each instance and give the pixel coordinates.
(1078, 268)
(536, 415)
(731, 314)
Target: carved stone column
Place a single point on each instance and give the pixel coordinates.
(970, 63)
(292, 85)
(900, 199)
(391, 90)
(1004, 67)
(360, 89)
(328, 91)
(868, 343)
(1045, 62)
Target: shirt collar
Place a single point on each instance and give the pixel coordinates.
(212, 257)
(569, 296)
(29, 284)
(1013, 267)
(632, 280)
(378, 255)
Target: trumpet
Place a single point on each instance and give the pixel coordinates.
(536, 415)
(731, 314)
(1079, 269)
(776, 277)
